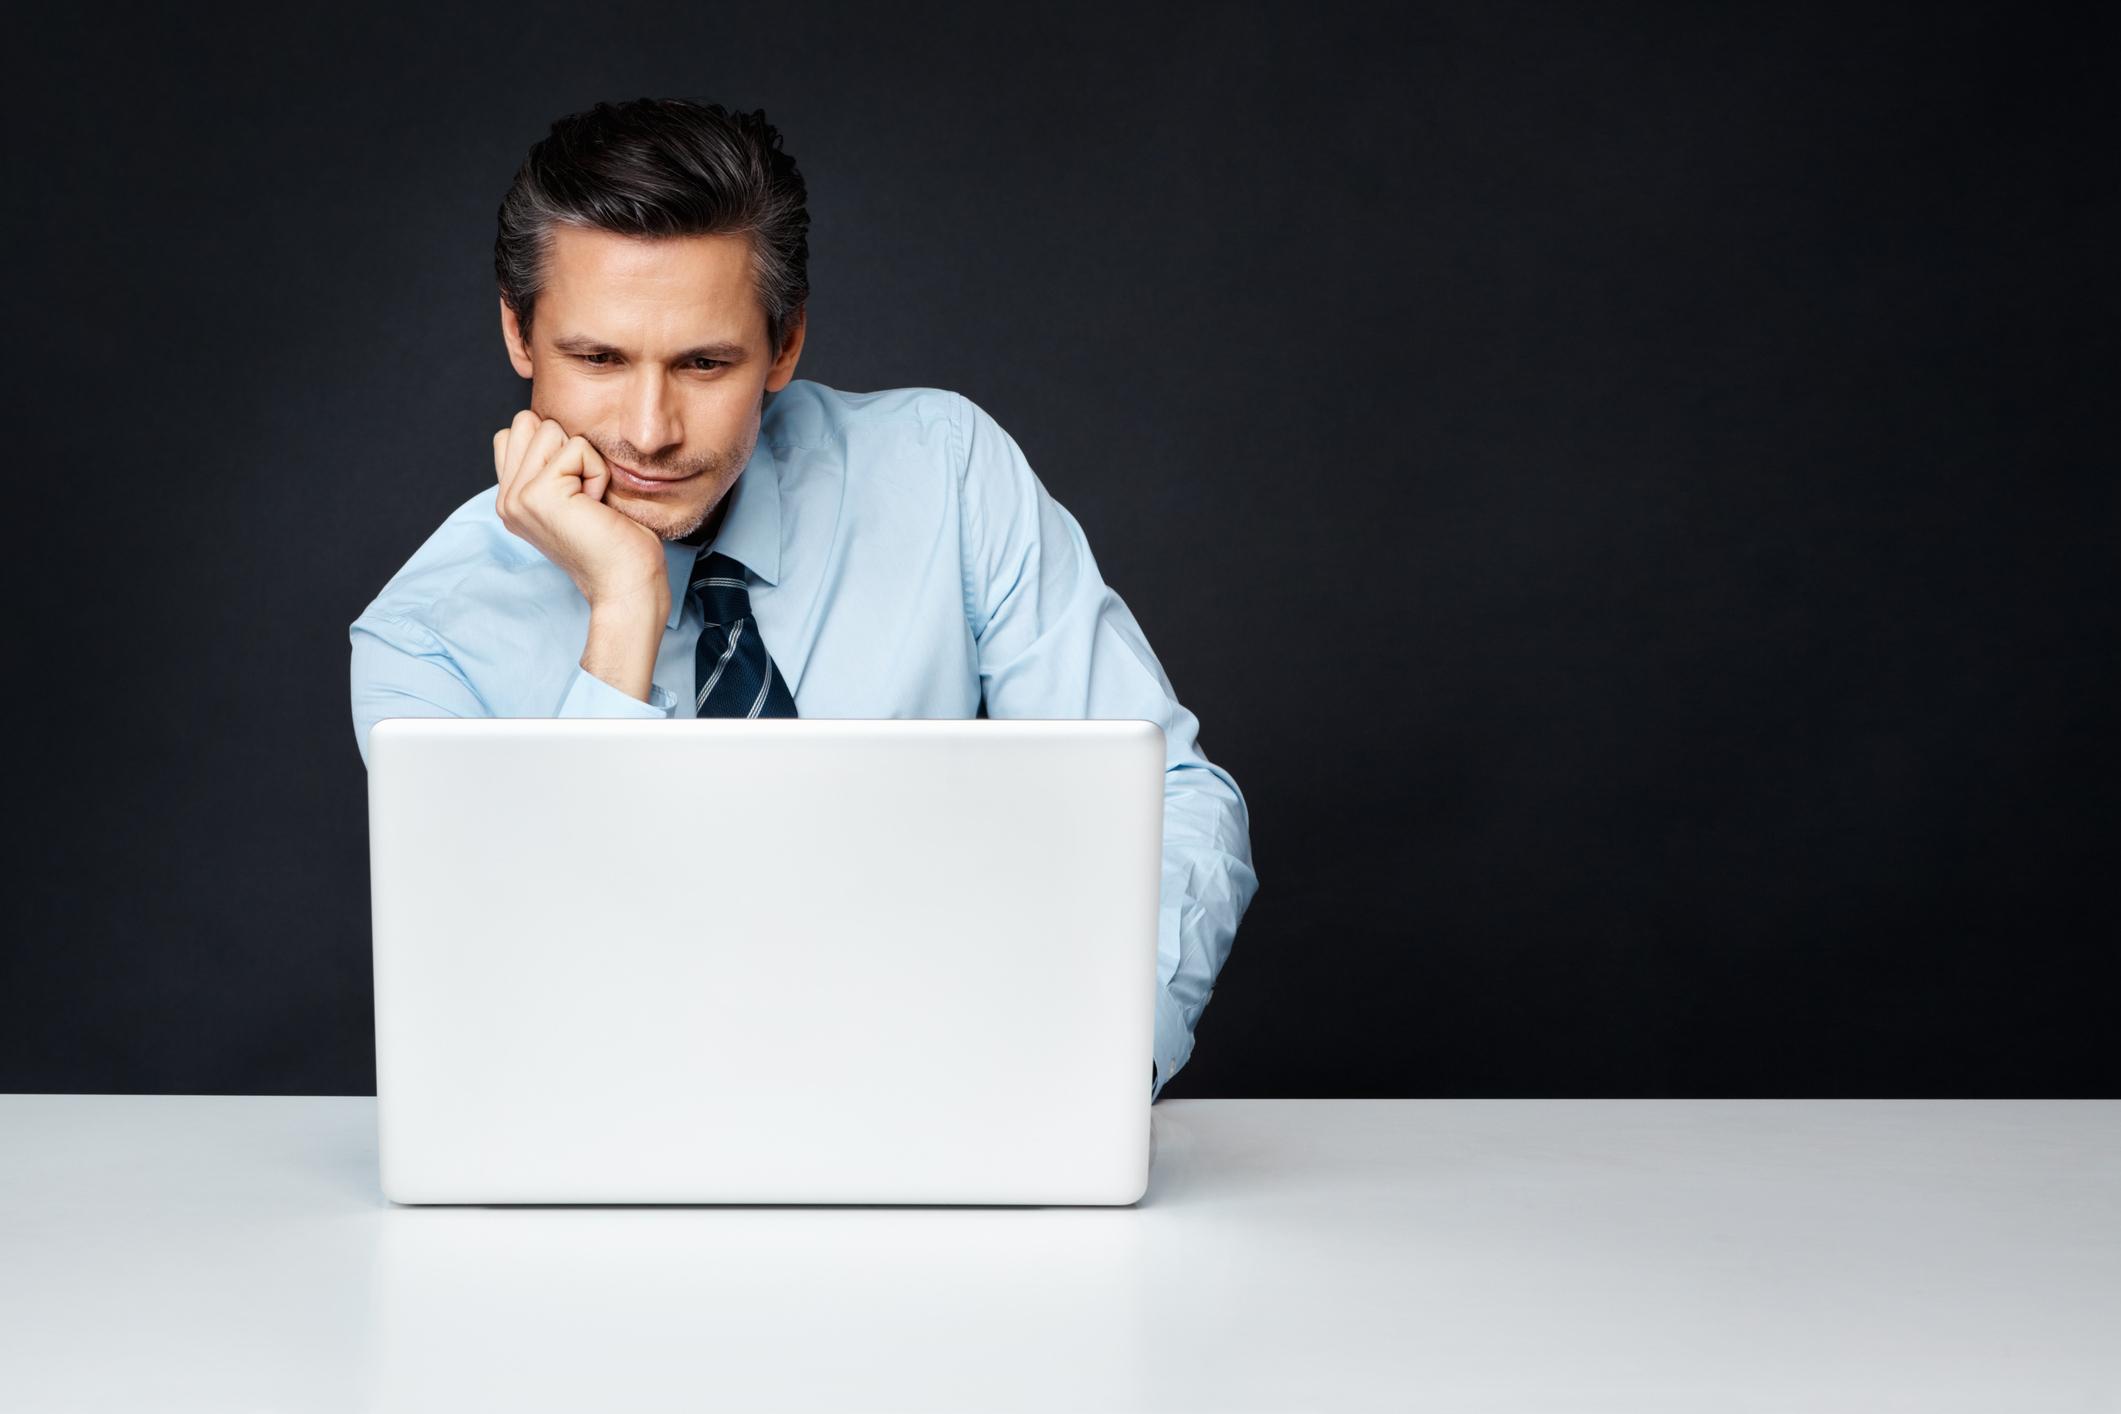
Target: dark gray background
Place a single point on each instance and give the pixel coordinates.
(1628, 492)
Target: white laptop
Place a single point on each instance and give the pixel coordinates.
(765, 960)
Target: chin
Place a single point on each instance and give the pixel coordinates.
(669, 521)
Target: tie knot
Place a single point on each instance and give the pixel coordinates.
(719, 581)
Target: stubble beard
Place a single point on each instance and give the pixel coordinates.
(679, 522)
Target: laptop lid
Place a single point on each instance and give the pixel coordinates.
(774, 960)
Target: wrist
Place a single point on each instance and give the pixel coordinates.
(622, 644)
(634, 608)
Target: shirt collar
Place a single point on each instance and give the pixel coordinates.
(750, 533)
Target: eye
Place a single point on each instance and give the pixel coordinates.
(699, 365)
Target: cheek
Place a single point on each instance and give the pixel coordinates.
(551, 398)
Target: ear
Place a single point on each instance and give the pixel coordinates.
(512, 336)
(784, 366)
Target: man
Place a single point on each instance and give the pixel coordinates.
(679, 527)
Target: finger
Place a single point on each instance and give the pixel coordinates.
(514, 439)
(520, 432)
(570, 463)
(545, 443)
(596, 476)
(500, 447)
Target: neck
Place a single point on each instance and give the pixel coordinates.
(711, 526)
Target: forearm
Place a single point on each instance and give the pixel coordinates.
(1208, 883)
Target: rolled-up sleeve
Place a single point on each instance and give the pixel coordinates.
(1055, 641)
(399, 669)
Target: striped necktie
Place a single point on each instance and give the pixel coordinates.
(732, 671)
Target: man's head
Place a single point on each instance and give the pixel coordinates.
(653, 262)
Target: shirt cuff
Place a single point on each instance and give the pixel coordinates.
(590, 696)
(1174, 1043)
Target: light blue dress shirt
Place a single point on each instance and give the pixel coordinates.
(902, 560)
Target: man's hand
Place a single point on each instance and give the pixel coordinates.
(552, 494)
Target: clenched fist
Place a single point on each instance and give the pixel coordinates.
(552, 494)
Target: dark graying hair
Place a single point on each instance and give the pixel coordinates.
(661, 167)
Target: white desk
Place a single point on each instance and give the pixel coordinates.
(233, 1254)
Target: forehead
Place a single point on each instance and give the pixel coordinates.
(675, 288)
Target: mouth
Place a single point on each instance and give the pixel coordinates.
(634, 481)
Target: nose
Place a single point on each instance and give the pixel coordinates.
(652, 416)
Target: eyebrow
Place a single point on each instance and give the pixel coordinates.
(584, 344)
